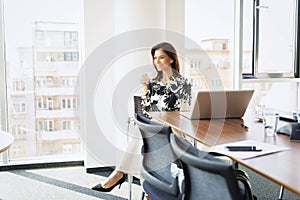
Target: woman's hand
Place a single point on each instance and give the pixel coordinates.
(144, 80)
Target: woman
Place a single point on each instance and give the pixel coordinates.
(168, 91)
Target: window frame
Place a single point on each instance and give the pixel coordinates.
(255, 44)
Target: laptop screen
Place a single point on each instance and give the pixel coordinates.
(220, 104)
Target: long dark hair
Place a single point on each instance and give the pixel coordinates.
(171, 52)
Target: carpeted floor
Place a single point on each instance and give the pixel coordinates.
(58, 183)
(75, 183)
(264, 189)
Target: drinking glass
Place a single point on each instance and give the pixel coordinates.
(270, 121)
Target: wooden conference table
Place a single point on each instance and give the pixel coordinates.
(281, 167)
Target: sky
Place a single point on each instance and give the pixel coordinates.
(19, 18)
(217, 23)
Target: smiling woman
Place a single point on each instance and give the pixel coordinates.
(168, 91)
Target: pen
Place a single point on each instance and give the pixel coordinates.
(243, 148)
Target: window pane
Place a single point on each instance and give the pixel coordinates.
(37, 39)
(276, 36)
(247, 36)
(212, 27)
(278, 95)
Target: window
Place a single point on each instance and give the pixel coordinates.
(46, 125)
(18, 85)
(69, 103)
(20, 132)
(212, 27)
(68, 82)
(270, 51)
(71, 39)
(67, 125)
(19, 107)
(43, 82)
(274, 38)
(71, 56)
(51, 38)
(35, 47)
(66, 103)
(50, 56)
(45, 103)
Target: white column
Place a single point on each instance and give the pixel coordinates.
(106, 19)
(135, 14)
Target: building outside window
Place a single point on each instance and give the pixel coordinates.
(68, 82)
(270, 47)
(214, 33)
(19, 108)
(42, 63)
(18, 85)
(67, 125)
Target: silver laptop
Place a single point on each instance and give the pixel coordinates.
(219, 104)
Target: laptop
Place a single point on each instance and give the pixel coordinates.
(219, 104)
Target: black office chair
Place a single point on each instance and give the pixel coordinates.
(157, 154)
(139, 116)
(137, 100)
(208, 177)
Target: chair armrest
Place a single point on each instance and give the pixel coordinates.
(170, 188)
(247, 186)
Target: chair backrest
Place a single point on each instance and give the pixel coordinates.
(206, 177)
(137, 100)
(157, 155)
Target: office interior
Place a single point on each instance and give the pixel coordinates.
(70, 69)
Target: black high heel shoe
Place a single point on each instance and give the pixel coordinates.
(100, 188)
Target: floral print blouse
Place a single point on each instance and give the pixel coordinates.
(174, 96)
